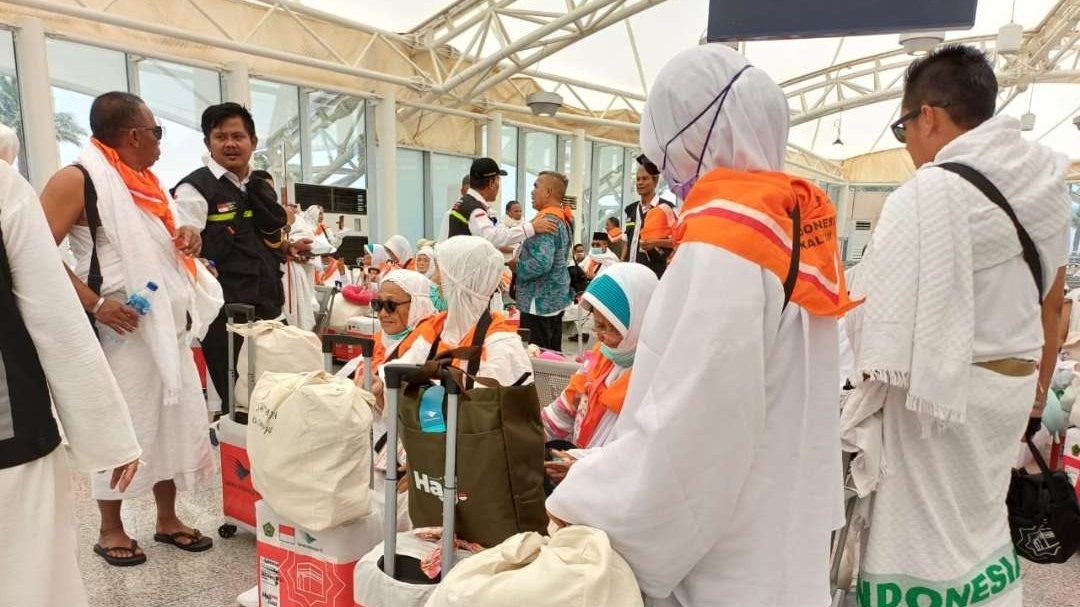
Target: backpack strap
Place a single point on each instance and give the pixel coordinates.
(479, 335)
(984, 185)
(796, 247)
(94, 279)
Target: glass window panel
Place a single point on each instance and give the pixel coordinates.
(276, 109)
(410, 194)
(539, 156)
(80, 73)
(446, 174)
(509, 163)
(178, 94)
(338, 142)
(609, 184)
(10, 107)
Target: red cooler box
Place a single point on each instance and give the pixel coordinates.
(303, 568)
(238, 495)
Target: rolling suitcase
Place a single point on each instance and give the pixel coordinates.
(391, 574)
(238, 496)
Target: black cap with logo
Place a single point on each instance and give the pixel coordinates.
(485, 167)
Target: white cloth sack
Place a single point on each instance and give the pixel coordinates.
(373, 588)
(343, 311)
(309, 439)
(576, 567)
(279, 348)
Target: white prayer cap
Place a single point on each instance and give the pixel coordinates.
(9, 144)
(400, 247)
(750, 133)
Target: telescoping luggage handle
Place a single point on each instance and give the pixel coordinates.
(231, 312)
(398, 375)
(367, 350)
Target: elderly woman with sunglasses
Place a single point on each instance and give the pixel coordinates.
(403, 302)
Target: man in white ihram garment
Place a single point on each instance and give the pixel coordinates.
(47, 348)
(722, 482)
(138, 242)
(950, 338)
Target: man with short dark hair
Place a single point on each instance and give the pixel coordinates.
(649, 222)
(126, 237)
(543, 284)
(957, 337)
(472, 214)
(514, 215)
(241, 223)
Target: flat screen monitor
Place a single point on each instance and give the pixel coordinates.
(781, 19)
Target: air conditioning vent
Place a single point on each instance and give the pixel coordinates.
(332, 199)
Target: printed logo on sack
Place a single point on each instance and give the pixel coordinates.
(1039, 541)
(241, 472)
(433, 487)
(268, 530)
(307, 539)
(286, 534)
(992, 578)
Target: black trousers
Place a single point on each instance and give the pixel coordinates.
(216, 351)
(546, 330)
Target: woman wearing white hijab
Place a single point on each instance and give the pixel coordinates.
(400, 252)
(470, 269)
(9, 144)
(585, 413)
(376, 258)
(425, 262)
(721, 483)
(404, 301)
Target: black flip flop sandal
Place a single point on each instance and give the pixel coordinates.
(120, 561)
(198, 543)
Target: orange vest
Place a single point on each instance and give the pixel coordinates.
(378, 357)
(432, 328)
(599, 396)
(563, 214)
(656, 224)
(614, 234)
(749, 214)
(330, 271)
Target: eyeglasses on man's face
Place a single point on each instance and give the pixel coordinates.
(899, 128)
(157, 130)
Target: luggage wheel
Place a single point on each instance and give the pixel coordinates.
(227, 530)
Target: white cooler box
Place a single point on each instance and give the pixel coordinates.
(238, 495)
(299, 567)
(363, 325)
(373, 588)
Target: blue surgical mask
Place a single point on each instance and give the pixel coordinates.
(682, 188)
(621, 359)
(437, 298)
(596, 252)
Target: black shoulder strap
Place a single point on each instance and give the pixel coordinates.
(796, 247)
(977, 179)
(93, 221)
(479, 335)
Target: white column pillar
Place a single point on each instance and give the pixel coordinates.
(577, 178)
(386, 131)
(35, 98)
(494, 152)
(237, 88)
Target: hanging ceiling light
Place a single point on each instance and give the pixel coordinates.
(1011, 35)
(922, 42)
(838, 141)
(1027, 121)
(544, 103)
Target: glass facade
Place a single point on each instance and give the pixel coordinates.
(10, 105)
(79, 73)
(276, 109)
(338, 141)
(178, 94)
(410, 194)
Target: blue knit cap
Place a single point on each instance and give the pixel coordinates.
(606, 292)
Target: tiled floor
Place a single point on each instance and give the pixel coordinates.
(175, 578)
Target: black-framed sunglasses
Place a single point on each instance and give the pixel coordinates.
(391, 306)
(899, 128)
(157, 130)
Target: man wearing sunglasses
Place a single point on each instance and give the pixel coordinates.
(963, 281)
(124, 234)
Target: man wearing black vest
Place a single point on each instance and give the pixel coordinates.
(472, 214)
(242, 227)
(647, 180)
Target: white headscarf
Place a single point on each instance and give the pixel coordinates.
(378, 255)
(418, 288)
(430, 254)
(9, 144)
(750, 133)
(400, 247)
(470, 269)
(622, 293)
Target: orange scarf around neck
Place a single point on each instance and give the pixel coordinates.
(563, 214)
(601, 396)
(749, 214)
(146, 192)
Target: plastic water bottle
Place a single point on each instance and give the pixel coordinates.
(140, 300)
